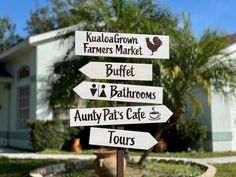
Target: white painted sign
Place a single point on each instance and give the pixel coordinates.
(121, 138)
(126, 45)
(119, 92)
(119, 71)
(119, 115)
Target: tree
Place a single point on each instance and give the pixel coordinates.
(57, 14)
(8, 37)
(40, 21)
(195, 64)
(103, 15)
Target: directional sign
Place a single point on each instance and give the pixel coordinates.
(119, 92)
(120, 71)
(89, 43)
(119, 115)
(121, 138)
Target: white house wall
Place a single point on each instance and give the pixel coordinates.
(221, 123)
(20, 138)
(233, 120)
(223, 116)
(48, 53)
(204, 117)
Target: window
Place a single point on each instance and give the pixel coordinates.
(23, 72)
(23, 106)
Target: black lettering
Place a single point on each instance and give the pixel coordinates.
(88, 38)
(116, 139)
(110, 141)
(122, 140)
(106, 113)
(119, 49)
(85, 47)
(132, 141)
(108, 70)
(127, 113)
(77, 115)
(113, 90)
(154, 95)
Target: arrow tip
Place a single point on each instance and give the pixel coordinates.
(86, 69)
(79, 89)
(151, 141)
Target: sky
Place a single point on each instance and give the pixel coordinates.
(204, 14)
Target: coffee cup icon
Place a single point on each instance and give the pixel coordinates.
(154, 115)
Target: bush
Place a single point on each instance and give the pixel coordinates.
(186, 134)
(50, 134)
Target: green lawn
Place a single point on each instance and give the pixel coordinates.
(194, 154)
(226, 170)
(151, 169)
(166, 154)
(21, 168)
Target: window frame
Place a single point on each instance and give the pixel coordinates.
(23, 73)
(23, 103)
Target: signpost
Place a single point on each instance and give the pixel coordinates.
(90, 43)
(119, 71)
(119, 92)
(121, 138)
(120, 45)
(119, 115)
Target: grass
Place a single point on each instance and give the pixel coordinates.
(226, 170)
(20, 168)
(193, 154)
(151, 169)
(166, 154)
(56, 151)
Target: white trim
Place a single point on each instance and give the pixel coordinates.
(34, 40)
(51, 34)
(14, 49)
(6, 79)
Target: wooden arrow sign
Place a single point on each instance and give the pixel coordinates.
(119, 71)
(121, 138)
(119, 115)
(126, 45)
(119, 92)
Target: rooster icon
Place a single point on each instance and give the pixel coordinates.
(155, 45)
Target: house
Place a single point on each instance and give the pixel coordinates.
(24, 72)
(220, 115)
(26, 68)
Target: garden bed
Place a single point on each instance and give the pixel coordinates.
(151, 168)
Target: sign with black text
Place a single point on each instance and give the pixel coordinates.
(119, 92)
(88, 43)
(121, 138)
(119, 115)
(119, 71)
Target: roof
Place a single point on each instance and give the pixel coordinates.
(231, 39)
(36, 39)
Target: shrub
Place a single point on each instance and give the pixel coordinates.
(50, 134)
(186, 134)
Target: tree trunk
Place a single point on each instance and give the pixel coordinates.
(174, 118)
(157, 136)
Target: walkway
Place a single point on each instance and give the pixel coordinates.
(16, 154)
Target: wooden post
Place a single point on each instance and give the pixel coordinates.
(120, 159)
(120, 151)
